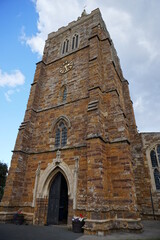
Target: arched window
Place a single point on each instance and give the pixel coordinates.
(155, 161)
(65, 47)
(75, 41)
(61, 134)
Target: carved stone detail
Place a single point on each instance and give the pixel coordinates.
(58, 159)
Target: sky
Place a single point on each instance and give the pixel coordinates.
(24, 25)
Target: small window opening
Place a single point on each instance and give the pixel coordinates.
(64, 93)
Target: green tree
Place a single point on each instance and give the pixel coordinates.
(3, 176)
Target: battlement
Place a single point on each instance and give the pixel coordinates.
(95, 13)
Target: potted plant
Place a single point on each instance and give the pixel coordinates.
(78, 223)
(18, 217)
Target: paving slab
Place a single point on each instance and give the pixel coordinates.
(30, 232)
(151, 231)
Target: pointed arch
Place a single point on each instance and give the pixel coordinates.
(59, 131)
(48, 175)
(58, 200)
(63, 118)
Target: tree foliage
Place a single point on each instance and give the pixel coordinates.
(3, 176)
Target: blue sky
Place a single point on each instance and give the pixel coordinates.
(24, 25)
(15, 55)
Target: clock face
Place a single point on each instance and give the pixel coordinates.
(66, 67)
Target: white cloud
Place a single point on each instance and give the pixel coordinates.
(11, 79)
(8, 94)
(51, 17)
(150, 47)
(119, 23)
(36, 43)
(138, 104)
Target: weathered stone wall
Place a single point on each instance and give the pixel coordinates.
(102, 159)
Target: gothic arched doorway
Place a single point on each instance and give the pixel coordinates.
(58, 201)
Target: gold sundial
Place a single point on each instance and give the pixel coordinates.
(66, 67)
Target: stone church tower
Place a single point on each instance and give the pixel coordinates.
(78, 150)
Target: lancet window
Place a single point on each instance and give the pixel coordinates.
(64, 93)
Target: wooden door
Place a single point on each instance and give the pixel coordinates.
(63, 207)
(54, 201)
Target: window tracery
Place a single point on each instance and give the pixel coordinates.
(155, 162)
(61, 134)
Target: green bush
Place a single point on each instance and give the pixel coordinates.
(3, 176)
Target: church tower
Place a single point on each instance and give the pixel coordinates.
(73, 153)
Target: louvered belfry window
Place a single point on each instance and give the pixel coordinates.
(65, 47)
(61, 135)
(155, 161)
(75, 41)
